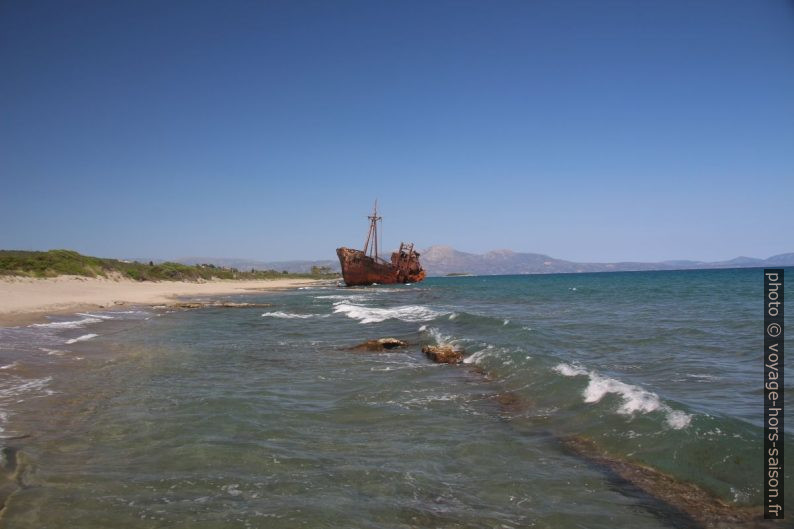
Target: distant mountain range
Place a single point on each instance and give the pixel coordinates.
(444, 260)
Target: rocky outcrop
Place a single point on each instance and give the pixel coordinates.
(221, 304)
(443, 354)
(380, 344)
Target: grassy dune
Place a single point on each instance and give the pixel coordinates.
(54, 263)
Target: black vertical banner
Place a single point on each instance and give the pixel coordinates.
(773, 394)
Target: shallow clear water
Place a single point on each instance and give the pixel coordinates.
(263, 417)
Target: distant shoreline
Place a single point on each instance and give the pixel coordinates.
(26, 300)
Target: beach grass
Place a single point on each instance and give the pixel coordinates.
(54, 263)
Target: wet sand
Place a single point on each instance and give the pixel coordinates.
(25, 300)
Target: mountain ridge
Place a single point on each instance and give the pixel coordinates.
(441, 260)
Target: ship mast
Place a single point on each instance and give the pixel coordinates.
(372, 234)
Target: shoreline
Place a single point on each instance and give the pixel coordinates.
(24, 300)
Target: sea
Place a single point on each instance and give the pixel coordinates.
(626, 399)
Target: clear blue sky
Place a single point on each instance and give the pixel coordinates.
(592, 130)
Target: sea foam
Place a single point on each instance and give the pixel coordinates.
(410, 313)
(437, 336)
(634, 399)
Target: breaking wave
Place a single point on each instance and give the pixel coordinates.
(410, 313)
(634, 398)
(437, 336)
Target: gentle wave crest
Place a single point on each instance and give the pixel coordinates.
(82, 338)
(344, 297)
(15, 388)
(67, 324)
(291, 315)
(634, 398)
(100, 316)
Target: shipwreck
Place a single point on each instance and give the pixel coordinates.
(366, 267)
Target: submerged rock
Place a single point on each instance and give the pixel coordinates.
(10, 473)
(685, 502)
(380, 344)
(512, 404)
(443, 354)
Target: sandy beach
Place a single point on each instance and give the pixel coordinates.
(24, 300)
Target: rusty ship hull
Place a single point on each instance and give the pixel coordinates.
(365, 267)
(360, 269)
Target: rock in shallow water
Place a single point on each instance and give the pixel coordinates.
(380, 344)
(443, 354)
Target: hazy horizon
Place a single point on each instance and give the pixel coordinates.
(590, 132)
(332, 255)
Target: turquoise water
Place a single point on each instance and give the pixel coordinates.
(264, 417)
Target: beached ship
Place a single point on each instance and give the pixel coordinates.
(365, 267)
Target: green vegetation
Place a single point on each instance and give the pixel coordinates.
(66, 262)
